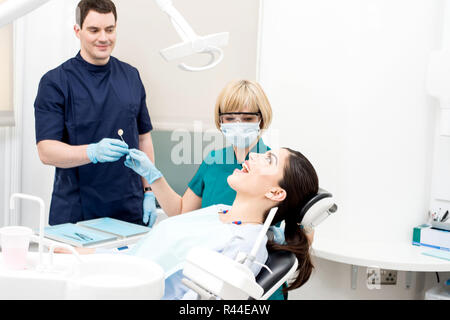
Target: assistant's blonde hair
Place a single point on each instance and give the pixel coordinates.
(240, 95)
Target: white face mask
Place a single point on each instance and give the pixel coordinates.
(240, 134)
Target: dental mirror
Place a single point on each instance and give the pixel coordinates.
(120, 133)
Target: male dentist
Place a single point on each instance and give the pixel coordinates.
(79, 109)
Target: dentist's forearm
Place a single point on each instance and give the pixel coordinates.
(62, 155)
(168, 199)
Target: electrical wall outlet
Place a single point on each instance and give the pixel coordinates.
(373, 278)
(377, 277)
(388, 277)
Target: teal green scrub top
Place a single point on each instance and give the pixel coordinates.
(210, 181)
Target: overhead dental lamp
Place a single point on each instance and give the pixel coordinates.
(191, 42)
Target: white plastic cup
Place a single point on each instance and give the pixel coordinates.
(15, 241)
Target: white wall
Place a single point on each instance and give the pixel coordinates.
(440, 190)
(347, 83)
(6, 73)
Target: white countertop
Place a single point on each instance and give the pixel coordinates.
(395, 256)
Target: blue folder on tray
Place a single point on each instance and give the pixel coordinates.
(95, 231)
(76, 235)
(120, 228)
(441, 254)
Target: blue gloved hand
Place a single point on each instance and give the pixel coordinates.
(150, 214)
(278, 234)
(107, 150)
(142, 165)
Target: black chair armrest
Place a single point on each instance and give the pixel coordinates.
(280, 262)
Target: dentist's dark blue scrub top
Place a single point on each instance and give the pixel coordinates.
(80, 103)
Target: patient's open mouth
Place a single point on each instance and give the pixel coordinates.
(245, 169)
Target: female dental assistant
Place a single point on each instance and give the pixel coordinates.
(242, 110)
(79, 108)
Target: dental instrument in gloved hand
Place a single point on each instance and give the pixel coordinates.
(149, 207)
(107, 150)
(120, 133)
(142, 165)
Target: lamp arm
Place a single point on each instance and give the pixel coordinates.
(13, 9)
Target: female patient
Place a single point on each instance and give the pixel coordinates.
(283, 179)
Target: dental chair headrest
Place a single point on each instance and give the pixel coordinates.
(316, 210)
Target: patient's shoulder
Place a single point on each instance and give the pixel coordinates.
(245, 236)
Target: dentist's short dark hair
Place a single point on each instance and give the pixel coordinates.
(100, 6)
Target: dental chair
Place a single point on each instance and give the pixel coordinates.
(214, 276)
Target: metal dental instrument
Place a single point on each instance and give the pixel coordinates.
(120, 133)
(83, 236)
(72, 237)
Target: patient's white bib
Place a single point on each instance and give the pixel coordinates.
(169, 241)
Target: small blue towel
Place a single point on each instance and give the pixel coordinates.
(438, 254)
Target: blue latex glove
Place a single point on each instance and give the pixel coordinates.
(107, 150)
(142, 165)
(150, 214)
(278, 234)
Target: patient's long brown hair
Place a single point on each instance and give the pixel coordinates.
(301, 183)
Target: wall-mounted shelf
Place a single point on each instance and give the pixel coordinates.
(400, 256)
